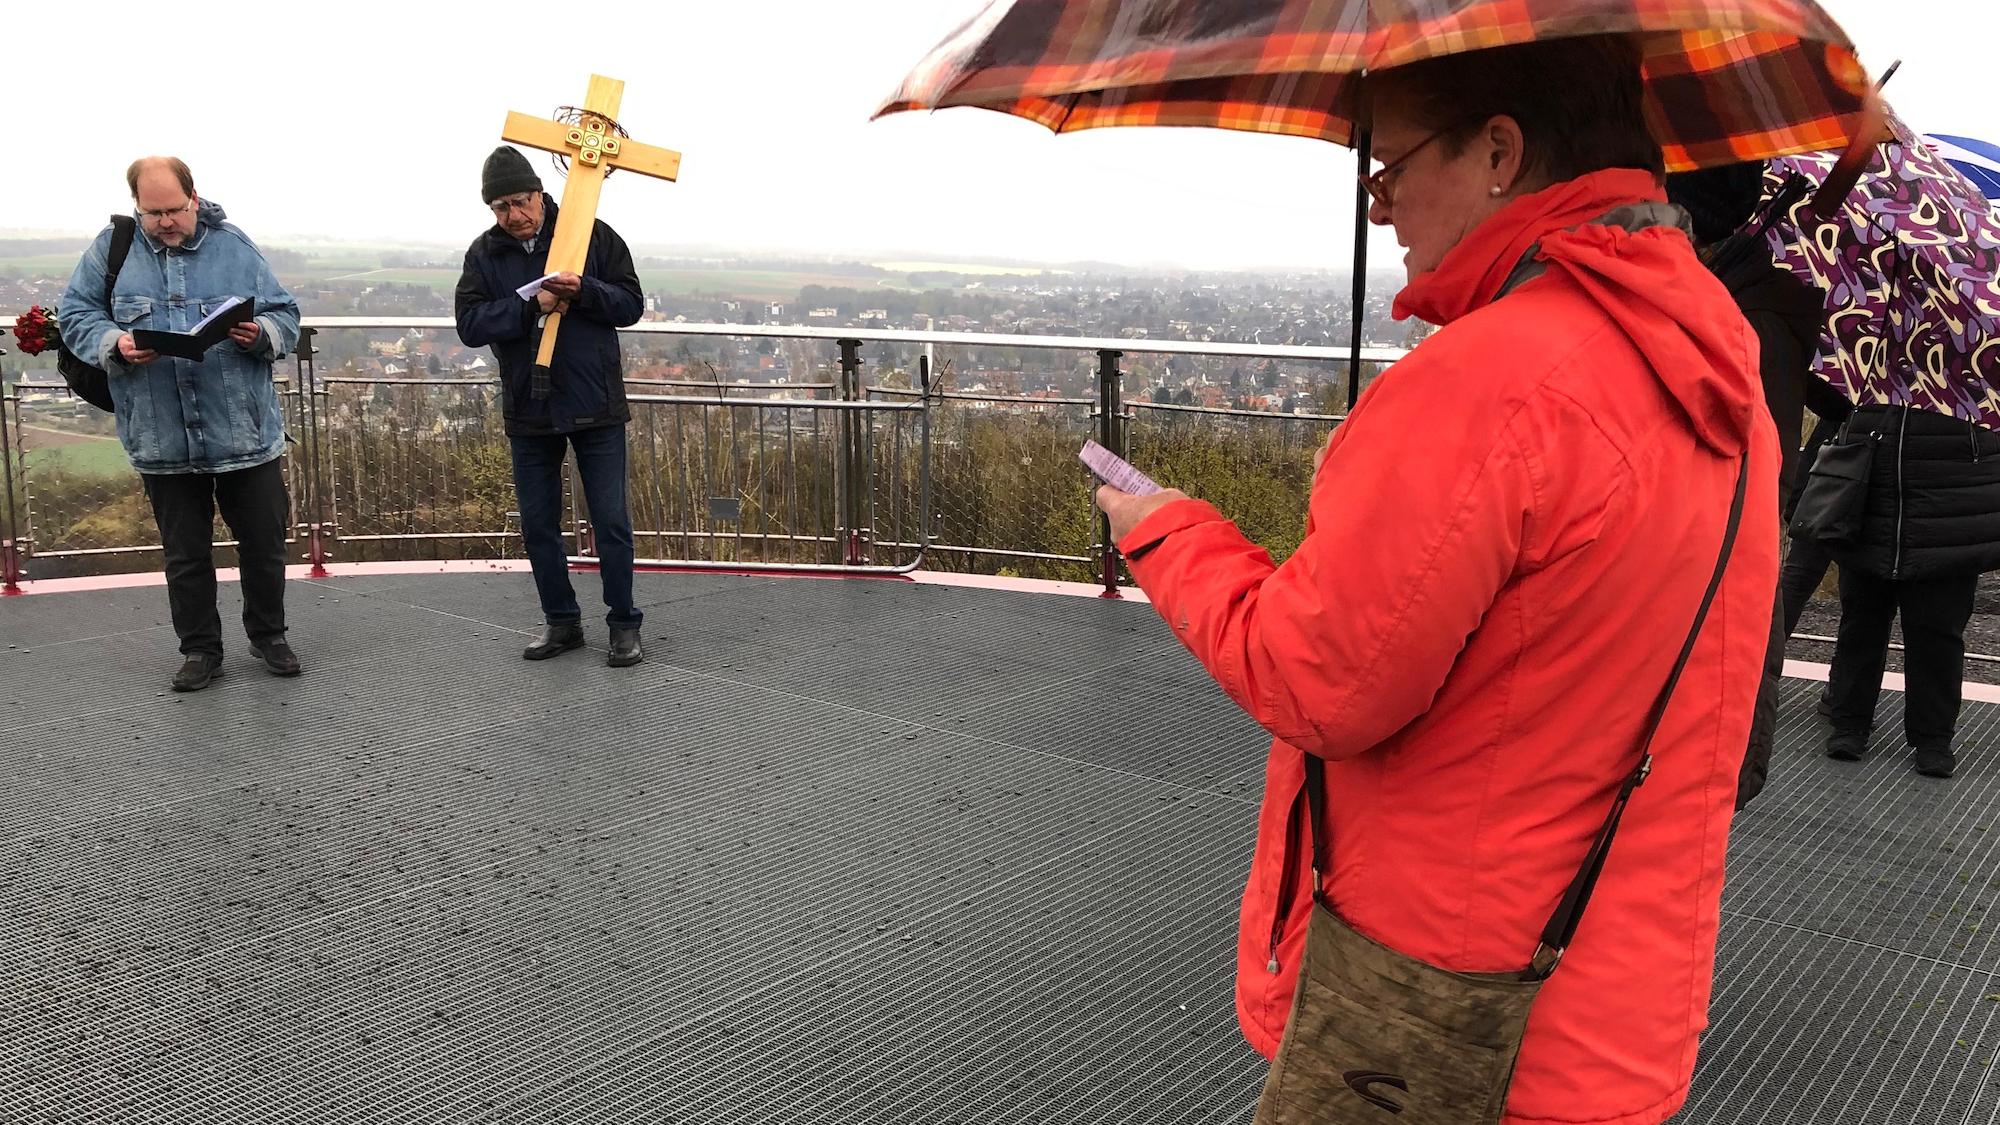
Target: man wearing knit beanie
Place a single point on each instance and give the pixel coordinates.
(504, 296)
(507, 172)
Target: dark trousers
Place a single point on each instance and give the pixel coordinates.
(1934, 612)
(538, 476)
(1805, 565)
(257, 509)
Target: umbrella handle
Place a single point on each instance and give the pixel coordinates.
(1872, 130)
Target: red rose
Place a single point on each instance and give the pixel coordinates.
(34, 332)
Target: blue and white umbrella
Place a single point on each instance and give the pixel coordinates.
(1979, 160)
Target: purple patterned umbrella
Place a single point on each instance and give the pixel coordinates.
(1910, 265)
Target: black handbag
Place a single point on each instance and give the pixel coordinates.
(1835, 499)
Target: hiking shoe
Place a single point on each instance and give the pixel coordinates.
(278, 658)
(554, 640)
(196, 673)
(626, 648)
(1847, 745)
(1935, 761)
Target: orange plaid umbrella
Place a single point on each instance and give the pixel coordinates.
(1727, 80)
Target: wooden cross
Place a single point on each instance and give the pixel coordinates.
(593, 150)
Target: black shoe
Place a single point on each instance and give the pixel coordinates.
(1825, 705)
(554, 641)
(196, 672)
(1935, 761)
(1847, 745)
(278, 657)
(626, 648)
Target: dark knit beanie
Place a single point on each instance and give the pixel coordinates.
(1719, 199)
(507, 172)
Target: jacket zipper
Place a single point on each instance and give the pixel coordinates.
(1288, 884)
(1902, 441)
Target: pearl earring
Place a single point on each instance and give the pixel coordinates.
(1496, 189)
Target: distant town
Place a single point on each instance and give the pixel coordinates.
(1096, 301)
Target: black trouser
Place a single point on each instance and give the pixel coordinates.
(256, 507)
(1805, 565)
(1934, 611)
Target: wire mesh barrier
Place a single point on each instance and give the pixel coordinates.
(732, 479)
(749, 446)
(72, 499)
(416, 468)
(1255, 467)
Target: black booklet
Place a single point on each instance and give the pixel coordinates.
(210, 331)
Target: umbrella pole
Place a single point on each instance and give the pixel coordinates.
(1363, 143)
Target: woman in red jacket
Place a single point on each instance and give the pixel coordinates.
(1506, 544)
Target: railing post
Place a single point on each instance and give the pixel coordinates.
(1111, 435)
(853, 475)
(10, 552)
(315, 483)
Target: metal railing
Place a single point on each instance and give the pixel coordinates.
(834, 470)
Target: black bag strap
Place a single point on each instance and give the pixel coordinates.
(122, 227)
(1562, 924)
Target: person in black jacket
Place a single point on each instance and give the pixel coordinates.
(1787, 315)
(1931, 527)
(578, 405)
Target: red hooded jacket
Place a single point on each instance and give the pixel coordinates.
(1505, 548)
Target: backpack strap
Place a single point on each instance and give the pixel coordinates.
(122, 228)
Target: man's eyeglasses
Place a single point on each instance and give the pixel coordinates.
(1381, 184)
(166, 213)
(519, 203)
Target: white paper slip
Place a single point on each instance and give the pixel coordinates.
(534, 287)
(1115, 470)
(224, 307)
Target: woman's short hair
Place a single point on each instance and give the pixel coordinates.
(1580, 102)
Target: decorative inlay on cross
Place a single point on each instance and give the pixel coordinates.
(594, 150)
(592, 143)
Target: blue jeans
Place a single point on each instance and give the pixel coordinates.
(538, 488)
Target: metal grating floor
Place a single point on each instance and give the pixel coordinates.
(841, 852)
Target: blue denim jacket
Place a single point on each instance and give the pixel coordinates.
(175, 415)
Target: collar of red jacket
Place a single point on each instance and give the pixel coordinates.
(1473, 272)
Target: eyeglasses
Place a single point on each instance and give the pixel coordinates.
(166, 213)
(1381, 184)
(519, 203)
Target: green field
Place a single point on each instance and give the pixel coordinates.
(749, 285)
(961, 267)
(51, 265)
(351, 267)
(100, 457)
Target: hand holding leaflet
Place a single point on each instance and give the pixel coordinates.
(1115, 470)
(208, 332)
(533, 287)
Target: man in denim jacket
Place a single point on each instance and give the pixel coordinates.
(202, 434)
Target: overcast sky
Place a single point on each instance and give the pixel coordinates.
(367, 120)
